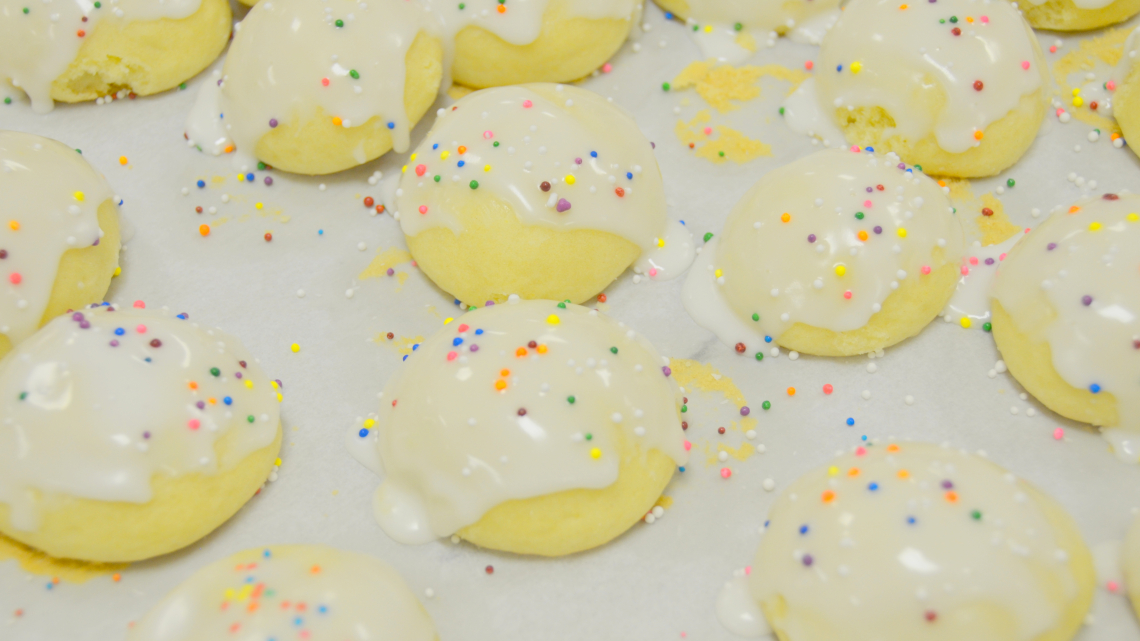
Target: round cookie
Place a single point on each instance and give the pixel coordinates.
(316, 88)
(531, 427)
(1126, 98)
(74, 51)
(497, 44)
(60, 246)
(289, 592)
(545, 191)
(1066, 307)
(957, 87)
(1077, 15)
(915, 541)
(842, 252)
(129, 433)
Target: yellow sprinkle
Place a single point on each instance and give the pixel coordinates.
(447, 320)
(119, 270)
(708, 28)
(280, 397)
(1133, 217)
(840, 270)
(570, 180)
(902, 232)
(122, 160)
(718, 273)
(856, 67)
(259, 205)
(295, 347)
(413, 157)
(277, 461)
(404, 169)
(273, 384)
(14, 225)
(79, 196)
(444, 154)
(1078, 101)
(832, 471)
(241, 177)
(595, 453)
(553, 319)
(1094, 226)
(660, 242)
(249, 384)
(369, 423)
(1076, 91)
(486, 167)
(229, 593)
(965, 322)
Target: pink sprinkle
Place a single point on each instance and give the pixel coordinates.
(965, 270)
(925, 269)
(140, 305)
(847, 294)
(325, 82)
(1111, 85)
(855, 149)
(688, 446)
(141, 329)
(527, 104)
(725, 473)
(708, 130)
(1058, 434)
(1059, 112)
(193, 423)
(653, 272)
(867, 203)
(985, 19)
(463, 327)
(1053, 49)
(1002, 257)
(420, 169)
(1025, 64)
(1112, 586)
(827, 389)
(860, 451)
(15, 278)
(808, 65)
(747, 570)
(423, 209)
(452, 356)
(973, 260)
(606, 68)
(487, 135)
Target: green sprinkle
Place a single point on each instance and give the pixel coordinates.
(570, 400)
(98, 5)
(495, 144)
(23, 395)
(760, 357)
(918, 167)
(977, 515)
(436, 178)
(665, 86)
(953, 19)
(781, 111)
(339, 23)
(708, 236)
(613, 350)
(561, 305)
(249, 418)
(722, 154)
(462, 6)
(696, 28)
(215, 371)
(7, 101)
(79, 151)
(942, 21)
(987, 327)
(954, 210)
(755, 316)
(858, 215)
(738, 26)
(1010, 183)
(354, 73)
(181, 86)
(684, 408)
(766, 405)
(474, 184)
(589, 436)
(26, 11)
(260, 166)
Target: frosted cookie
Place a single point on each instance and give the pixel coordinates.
(839, 253)
(914, 541)
(531, 427)
(319, 87)
(1066, 316)
(744, 22)
(73, 50)
(499, 43)
(1126, 99)
(545, 191)
(1077, 15)
(289, 592)
(60, 246)
(129, 433)
(956, 86)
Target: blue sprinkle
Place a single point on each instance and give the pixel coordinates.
(850, 421)
(461, 163)
(415, 347)
(870, 149)
(478, 332)
(391, 125)
(323, 609)
(228, 401)
(119, 331)
(249, 177)
(839, 68)
(404, 358)
(201, 184)
(864, 437)
(803, 529)
(766, 523)
(629, 174)
(50, 586)
(668, 15)
(911, 520)
(593, 154)
(298, 622)
(249, 579)
(682, 222)
(1094, 388)
(435, 146)
(456, 301)
(457, 341)
(681, 469)
(873, 486)
(183, 316)
(320, 232)
(767, 339)
(266, 553)
(147, 359)
(363, 432)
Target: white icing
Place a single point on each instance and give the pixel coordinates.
(289, 592)
(619, 191)
(1095, 254)
(980, 560)
(907, 61)
(285, 51)
(789, 272)
(49, 201)
(453, 445)
(738, 612)
(36, 47)
(971, 299)
(93, 414)
(716, 22)
(804, 114)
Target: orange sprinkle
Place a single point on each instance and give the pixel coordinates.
(951, 496)
(504, 372)
(229, 149)
(904, 7)
(500, 385)
(862, 235)
(786, 217)
(212, 401)
(252, 607)
(969, 19)
(204, 230)
(337, 121)
(520, 352)
(462, 149)
(81, 33)
(903, 474)
(115, 577)
(316, 569)
(978, 135)
(941, 183)
(853, 472)
(193, 385)
(791, 391)
(501, 8)
(1072, 210)
(541, 349)
(14, 225)
(828, 496)
(892, 448)
(122, 160)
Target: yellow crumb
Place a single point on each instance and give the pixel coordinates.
(721, 143)
(721, 85)
(996, 228)
(384, 259)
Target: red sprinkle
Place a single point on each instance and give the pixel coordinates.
(268, 236)
(720, 430)
(368, 202)
(490, 569)
(740, 348)
(978, 85)
(986, 211)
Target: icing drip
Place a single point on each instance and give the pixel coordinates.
(289, 592)
(970, 304)
(1074, 282)
(50, 204)
(729, 29)
(821, 241)
(889, 543)
(512, 401)
(99, 401)
(738, 612)
(290, 58)
(949, 68)
(598, 169)
(40, 39)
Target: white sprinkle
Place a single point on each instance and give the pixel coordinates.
(866, 395)
(769, 484)
(909, 399)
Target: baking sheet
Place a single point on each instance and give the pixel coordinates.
(660, 580)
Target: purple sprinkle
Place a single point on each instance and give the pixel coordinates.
(902, 165)
(279, 383)
(744, 411)
(201, 405)
(563, 205)
(870, 189)
(96, 243)
(489, 303)
(84, 324)
(273, 122)
(667, 371)
(811, 238)
(219, 83)
(1086, 300)
(878, 230)
(77, 316)
(808, 560)
(146, 434)
(946, 485)
(391, 271)
(268, 181)
(653, 144)
(114, 343)
(237, 374)
(989, 261)
(473, 348)
(577, 161)
(1051, 246)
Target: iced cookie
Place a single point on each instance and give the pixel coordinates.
(956, 86)
(839, 253)
(73, 50)
(915, 542)
(1126, 99)
(531, 427)
(1066, 308)
(1077, 15)
(129, 433)
(60, 246)
(289, 592)
(499, 43)
(545, 191)
(319, 87)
